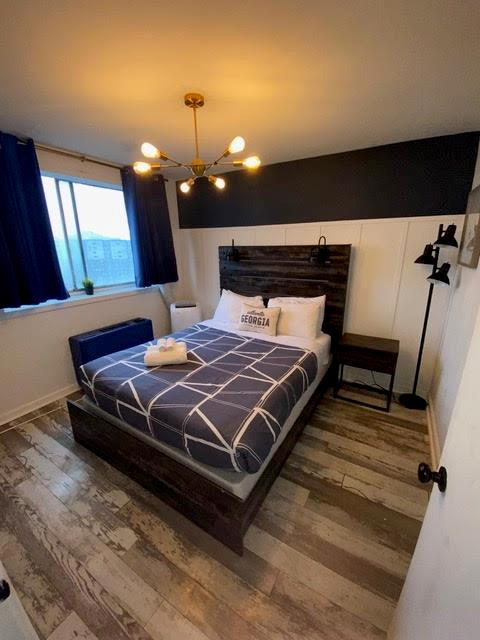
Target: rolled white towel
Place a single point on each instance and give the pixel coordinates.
(171, 343)
(156, 348)
(157, 358)
(162, 344)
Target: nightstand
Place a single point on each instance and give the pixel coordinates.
(367, 352)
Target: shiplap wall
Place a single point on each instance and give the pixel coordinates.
(387, 291)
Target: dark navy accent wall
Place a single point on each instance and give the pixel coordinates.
(425, 177)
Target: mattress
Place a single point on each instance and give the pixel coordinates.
(238, 484)
(226, 407)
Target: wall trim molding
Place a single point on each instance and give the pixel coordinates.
(22, 410)
(434, 217)
(433, 437)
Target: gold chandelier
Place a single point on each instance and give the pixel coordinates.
(197, 166)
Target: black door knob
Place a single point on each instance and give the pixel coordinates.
(425, 474)
(4, 590)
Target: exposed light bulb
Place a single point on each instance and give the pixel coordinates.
(142, 167)
(184, 187)
(253, 162)
(150, 150)
(220, 183)
(236, 145)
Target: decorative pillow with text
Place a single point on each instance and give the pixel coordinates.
(259, 320)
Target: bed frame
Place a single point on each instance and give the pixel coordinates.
(269, 272)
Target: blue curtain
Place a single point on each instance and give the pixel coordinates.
(29, 268)
(150, 230)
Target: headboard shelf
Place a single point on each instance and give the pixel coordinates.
(286, 270)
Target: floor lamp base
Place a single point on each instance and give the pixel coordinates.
(412, 401)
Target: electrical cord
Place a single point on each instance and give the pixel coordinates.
(374, 382)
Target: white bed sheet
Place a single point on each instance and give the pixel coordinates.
(239, 484)
(319, 345)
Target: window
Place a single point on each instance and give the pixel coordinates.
(91, 233)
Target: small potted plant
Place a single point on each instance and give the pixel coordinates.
(88, 286)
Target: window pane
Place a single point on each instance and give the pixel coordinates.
(72, 234)
(105, 234)
(57, 228)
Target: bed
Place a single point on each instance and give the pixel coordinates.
(210, 436)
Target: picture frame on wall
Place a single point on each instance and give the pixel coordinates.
(470, 244)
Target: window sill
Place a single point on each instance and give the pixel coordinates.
(78, 300)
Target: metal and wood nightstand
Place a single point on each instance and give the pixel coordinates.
(367, 352)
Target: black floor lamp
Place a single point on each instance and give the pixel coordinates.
(439, 276)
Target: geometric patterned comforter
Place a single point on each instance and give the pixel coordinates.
(225, 407)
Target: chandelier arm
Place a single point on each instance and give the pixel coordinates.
(224, 155)
(175, 162)
(167, 166)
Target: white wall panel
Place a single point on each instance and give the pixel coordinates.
(272, 235)
(192, 253)
(344, 233)
(212, 239)
(302, 233)
(341, 232)
(374, 278)
(242, 235)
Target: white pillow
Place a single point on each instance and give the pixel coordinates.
(320, 300)
(297, 319)
(230, 305)
(259, 320)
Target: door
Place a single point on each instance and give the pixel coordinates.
(14, 623)
(441, 596)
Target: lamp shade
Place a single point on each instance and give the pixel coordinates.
(427, 256)
(440, 276)
(447, 238)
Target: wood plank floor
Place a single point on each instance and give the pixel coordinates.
(95, 556)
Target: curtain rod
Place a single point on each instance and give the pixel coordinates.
(78, 156)
(71, 154)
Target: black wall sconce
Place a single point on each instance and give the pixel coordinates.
(233, 255)
(439, 276)
(319, 254)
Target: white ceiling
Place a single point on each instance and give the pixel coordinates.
(295, 78)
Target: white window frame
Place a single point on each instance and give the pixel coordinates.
(71, 180)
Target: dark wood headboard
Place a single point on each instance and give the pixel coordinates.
(286, 271)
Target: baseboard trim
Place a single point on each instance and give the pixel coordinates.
(18, 412)
(433, 434)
